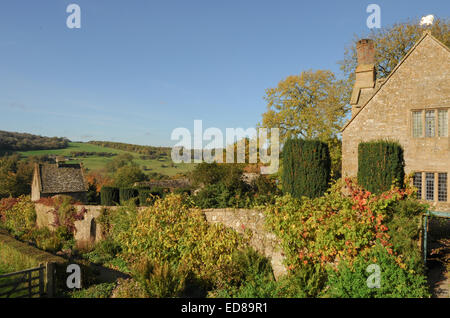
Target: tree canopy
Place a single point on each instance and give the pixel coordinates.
(310, 105)
(392, 44)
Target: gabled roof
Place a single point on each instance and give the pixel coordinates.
(426, 34)
(61, 178)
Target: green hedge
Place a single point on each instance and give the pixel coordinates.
(306, 168)
(109, 196)
(126, 194)
(380, 165)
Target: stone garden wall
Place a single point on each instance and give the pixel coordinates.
(88, 230)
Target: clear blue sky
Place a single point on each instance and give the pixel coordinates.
(138, 69)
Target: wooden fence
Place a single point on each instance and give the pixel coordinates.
(33, 282)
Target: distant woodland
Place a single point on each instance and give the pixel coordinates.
(13, 141)
(147, 152)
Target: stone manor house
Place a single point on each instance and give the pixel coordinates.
(410, 106)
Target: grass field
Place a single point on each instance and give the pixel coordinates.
(98, 163)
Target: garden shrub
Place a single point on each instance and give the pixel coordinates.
(103, 290)
(145, 197)
(337, 228)
(380, 165)
(128, 288)
(227, 188)
(160, 279)
(18, 216)
(250, 276)
(172, 232)
(396, 281)
(103, 252)
(306, 168)
(126, 194)
(109, 196)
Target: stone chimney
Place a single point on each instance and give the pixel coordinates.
(365, 74)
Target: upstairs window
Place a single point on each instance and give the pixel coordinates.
(443, 123)
(417, 124)
(430, 123)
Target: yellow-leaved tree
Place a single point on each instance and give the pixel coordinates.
(310, 105)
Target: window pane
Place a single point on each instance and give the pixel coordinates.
(429, 178)
(443, 123)
(417, 181)
(442, 187)
(417, 124)
(430, 125)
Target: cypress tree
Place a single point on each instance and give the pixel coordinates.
(380, 165)
(306, 168)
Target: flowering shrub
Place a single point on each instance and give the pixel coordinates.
(339, 228)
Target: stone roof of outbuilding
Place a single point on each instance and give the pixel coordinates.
(61, 178)
(371, 93)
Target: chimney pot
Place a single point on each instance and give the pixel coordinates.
(365, 50)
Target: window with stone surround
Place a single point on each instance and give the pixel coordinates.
(429, 186)
(417, 124)
(429, 123)
(442, 187)
(417, 181)
(443, 123)
(433, 181)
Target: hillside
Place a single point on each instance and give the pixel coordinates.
(95, 157)
(14, 141)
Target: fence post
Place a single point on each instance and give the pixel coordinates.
(30, 292)
(41, 280)
(50, 272)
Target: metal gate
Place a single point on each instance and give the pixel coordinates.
(33, 282)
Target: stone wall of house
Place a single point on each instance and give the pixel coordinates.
(262, 240)
(89, 231)
(421, 82)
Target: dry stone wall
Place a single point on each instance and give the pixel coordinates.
(89, 231)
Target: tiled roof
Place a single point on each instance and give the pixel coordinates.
(61, 178)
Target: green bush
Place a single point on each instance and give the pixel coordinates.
(160, 279)
(96, 291)
(103, 252)
(306, 168)
(126, 194)
(380, 165)
(18, 216)
(405, 230)
(109, 196)
(145, 197)
(350, 280)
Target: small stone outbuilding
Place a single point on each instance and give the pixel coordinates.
(58, 179)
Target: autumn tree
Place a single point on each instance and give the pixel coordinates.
(15, 176)
(126, 176)
(392, 44)
(312, 105)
